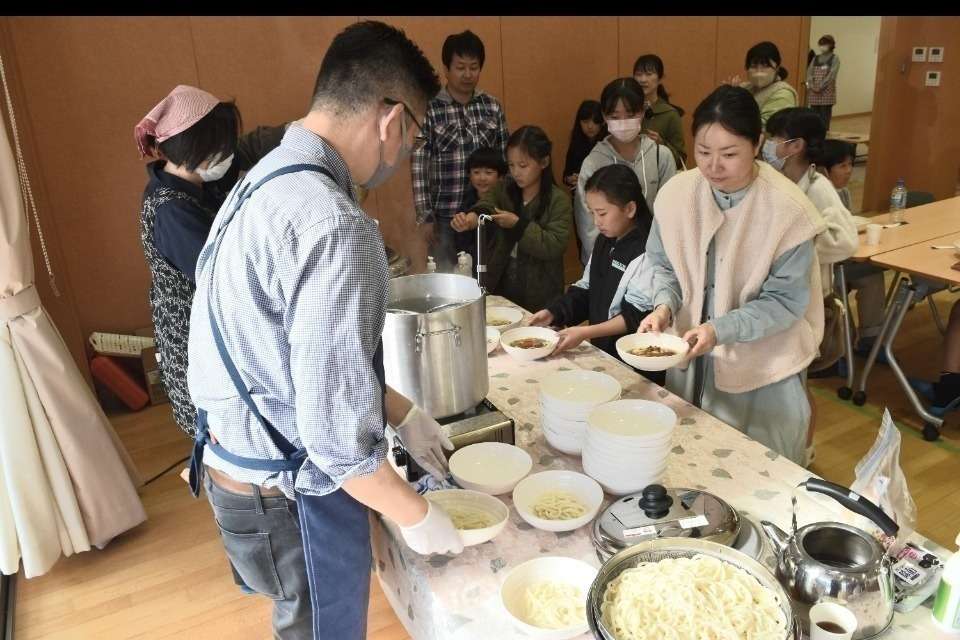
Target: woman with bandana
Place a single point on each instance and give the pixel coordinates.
(195, 138)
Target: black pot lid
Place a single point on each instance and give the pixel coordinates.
(657, 512)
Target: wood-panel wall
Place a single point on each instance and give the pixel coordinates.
(915, 130)
(82, 83)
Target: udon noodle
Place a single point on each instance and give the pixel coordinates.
(698, 597)
(558, 505)
(554, 605)
(465, 518)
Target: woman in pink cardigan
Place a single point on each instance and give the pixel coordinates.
(736, 274)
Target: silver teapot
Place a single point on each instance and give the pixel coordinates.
(835, 562)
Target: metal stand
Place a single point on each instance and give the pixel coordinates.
(907, 292)
(897, 288)
(840, 280)
(482, 219)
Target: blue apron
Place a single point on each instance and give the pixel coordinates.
(335, 527)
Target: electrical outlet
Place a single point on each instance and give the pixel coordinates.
(936, 54)
(919, 54)
(932, 79)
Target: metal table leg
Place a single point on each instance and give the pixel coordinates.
(902, 289)
(840, 282)
(931, 429)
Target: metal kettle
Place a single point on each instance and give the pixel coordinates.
(835, 562)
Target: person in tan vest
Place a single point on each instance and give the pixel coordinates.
(735, 273)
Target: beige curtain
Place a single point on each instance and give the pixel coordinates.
(66, 482)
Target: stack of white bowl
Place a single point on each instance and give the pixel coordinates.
(627, 444)
(566, 399)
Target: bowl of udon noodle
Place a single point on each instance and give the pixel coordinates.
(557, 500)
(546, 598)
(687, 588)
(529, 343)
(478, 517)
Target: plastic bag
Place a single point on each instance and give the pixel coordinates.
(880, 479)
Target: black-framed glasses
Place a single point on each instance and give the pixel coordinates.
(419, 140)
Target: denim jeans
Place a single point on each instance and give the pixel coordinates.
(263, 543)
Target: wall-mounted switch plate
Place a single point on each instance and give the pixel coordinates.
(932, 79)
(919, 54)
(936, 54)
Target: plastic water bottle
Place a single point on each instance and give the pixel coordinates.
(465, 264)
(898, 201)
(946, 606)
(431, 265)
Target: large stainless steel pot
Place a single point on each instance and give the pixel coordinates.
(437, 358)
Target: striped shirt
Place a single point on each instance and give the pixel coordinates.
(453, 131)
(299, 291)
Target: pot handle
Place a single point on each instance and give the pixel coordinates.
(854, 502)
(454, 329)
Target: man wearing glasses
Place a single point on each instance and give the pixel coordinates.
(459, 121)
(286, 359)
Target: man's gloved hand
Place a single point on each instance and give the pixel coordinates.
(434, 534)
(423, 439)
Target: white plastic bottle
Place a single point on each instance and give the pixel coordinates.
(465, 264)
(431, 265)
(946, 606)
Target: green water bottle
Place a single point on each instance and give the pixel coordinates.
(946, 606)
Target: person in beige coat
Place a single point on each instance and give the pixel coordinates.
(735, 273)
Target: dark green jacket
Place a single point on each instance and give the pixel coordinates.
(538, 276)
(666, 122)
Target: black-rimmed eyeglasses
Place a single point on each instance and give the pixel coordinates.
(419, 140)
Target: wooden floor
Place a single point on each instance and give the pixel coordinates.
(169, 578)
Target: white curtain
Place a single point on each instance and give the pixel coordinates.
(66, 482)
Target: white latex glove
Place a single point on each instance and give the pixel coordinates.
(434, 534)
(423, 439)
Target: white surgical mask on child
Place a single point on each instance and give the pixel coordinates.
(214, 172)
(824, 50)
(769, 153)
(625, 130)
(761, 79)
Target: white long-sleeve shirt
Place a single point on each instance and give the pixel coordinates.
(839, 240)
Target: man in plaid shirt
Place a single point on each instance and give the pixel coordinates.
(459, 120)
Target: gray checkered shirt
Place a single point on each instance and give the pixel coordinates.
(300, 292)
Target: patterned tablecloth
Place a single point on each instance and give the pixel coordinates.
(457, 598)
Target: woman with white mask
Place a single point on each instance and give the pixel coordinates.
(766, 80)
(622, 104)
(195, 138)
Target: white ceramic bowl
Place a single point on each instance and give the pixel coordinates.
(548, 568)
(636, 420)
(563, 422)
(623, 466)
(512, 314)
(659, 363)
(473, 500)
(605, 442)
(570, 445)
(493, 339)
(585, 489)
(490, 467)
(528, 355)
(571, 393)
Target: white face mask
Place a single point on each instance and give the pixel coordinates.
(824, 49)
(760, 79)
(214, 172)
(625, 130)
(769, 153)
